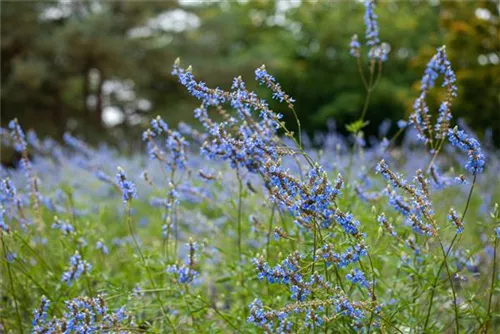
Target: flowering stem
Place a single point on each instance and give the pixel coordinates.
(379, 75)
(240, 209)
(492, 287)
(434, 156)
(216, 311)
(131, 230)
(314, 247)
(240, 214)
(299, 130)
(361, 74)
(42, 289)
(176, 230)
(270, 231)
(11, 281)
(368, 93)
(34, 252)
(457, 324)
(457, 236)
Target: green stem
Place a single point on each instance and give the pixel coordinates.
(240, 212)
(131, 230)
(368, 93)
(218, 312)
(457, 324)
(492, 287)
(457, 236)
(270, 232)
(314, 247)
(11, 281)
(299, 130)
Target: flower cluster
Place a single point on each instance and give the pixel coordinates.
(420, 205)
(3, 225)
(82, 315)
(350, 255)
(243, 141)
(286, 273)
(100, 245)
(382, 220)
(278, 321)
(65, 227)
(7, 190)
(174, 143)
(127, 187)
(456, 221)
(371, 24)
(186, 273)
(78, 145)
(12, 202)
(17, 135)
(460, 139)
(309, 200)
(77, 267)
(420, 118)
(356, 276)
(354, 46)
(378, 51)
(40, 315)
(265, 78)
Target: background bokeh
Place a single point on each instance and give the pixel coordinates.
(101, 69)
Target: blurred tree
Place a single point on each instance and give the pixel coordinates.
(84, 64)
(473, 42)
(63, 63)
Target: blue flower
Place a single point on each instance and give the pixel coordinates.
(402, 124)
(3, 225)
(265, 78)
(40, 315)
(358, 277)
(456, 221)
(420, 118)
(186, 273)
(17, 135)
(370, 18)
(385, 224)
(82, 315)
(63, 226)
(460, 139)
(78, 145)
(354, 46)
(77, 267)
(101, 246)
(128, 189)
(158, 125)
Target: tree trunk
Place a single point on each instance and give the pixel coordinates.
(99, 100)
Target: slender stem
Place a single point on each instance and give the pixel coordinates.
(11, 281)
(457, 324)
(379, 75)
(269, 232)
(34, 252)
(131, 230)
(217, 311)
(240, 216)
(37, 283)
(240, 212)
(365, 106)
(368, 93)
(361, 74)
(457, 236)
(315, 241)
(299, 130)
(492, 287)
